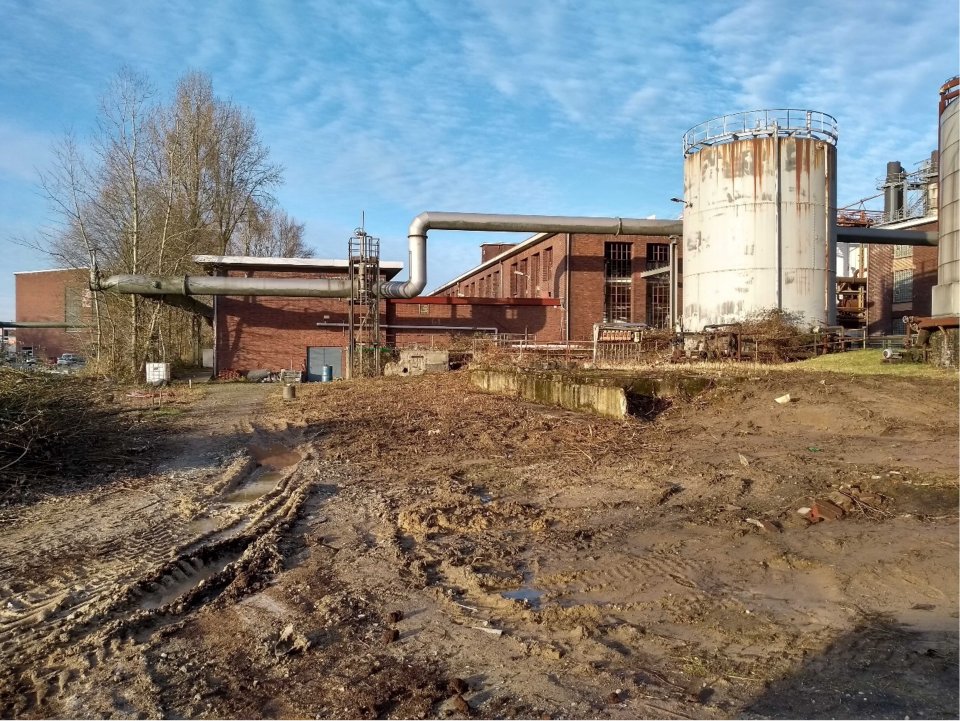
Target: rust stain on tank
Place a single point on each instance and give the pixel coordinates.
(803, 163)
(758, 147)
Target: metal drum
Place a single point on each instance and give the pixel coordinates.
(326, 374)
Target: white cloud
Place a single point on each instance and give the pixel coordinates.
(541, 106)
(25, 153)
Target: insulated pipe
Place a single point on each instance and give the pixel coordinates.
(222, 285)
(885, 236)
(497, 223)
(38, 324)
(417, 236)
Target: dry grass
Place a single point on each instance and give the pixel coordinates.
(56, 424)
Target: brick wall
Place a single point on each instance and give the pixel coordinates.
(273, 332)
(587, 280)
(921, 260)
(539, 271)
(42, 296)
(492, 250)
(534, 272)
(257, 332)
(542, 318)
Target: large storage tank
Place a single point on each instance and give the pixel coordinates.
(759, 224)
(946, 293)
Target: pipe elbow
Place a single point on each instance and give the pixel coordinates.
(419, 226)
(399, 289)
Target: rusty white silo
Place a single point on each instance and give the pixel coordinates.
(759, 224)
(946, 293)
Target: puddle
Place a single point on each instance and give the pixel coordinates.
(526, 594)
(253, 490)
(203, 526)
(275, 456)
(482, 494)
(186, 575)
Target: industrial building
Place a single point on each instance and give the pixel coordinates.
(58, 299)
(274, 332)
(596, 278)
(759, 231)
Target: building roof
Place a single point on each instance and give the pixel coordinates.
(389, 268)
(50, 270)
(908, 223)
(515, 248)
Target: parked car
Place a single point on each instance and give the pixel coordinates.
(69, 359)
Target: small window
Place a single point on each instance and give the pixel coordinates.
(902, 251)
(617, 257)
(424, 309)
(658, 255)
(903, 286)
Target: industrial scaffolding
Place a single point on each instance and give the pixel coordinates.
(363, 343)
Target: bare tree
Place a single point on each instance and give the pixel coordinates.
(67, 187)
(270, 233)
(162, 184)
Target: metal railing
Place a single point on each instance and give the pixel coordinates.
(752, 123)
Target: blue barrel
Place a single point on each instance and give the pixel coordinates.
(326, 374)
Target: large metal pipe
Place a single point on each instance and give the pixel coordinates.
(886, 236)
(222, 285)
(893, 193)
(417, 237)
(38, 324)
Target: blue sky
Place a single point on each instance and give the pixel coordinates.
(393, 107)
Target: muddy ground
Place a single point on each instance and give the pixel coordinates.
(414, 548)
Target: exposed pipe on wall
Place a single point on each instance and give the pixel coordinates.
(39, 324)
(885, 236)
(461, 328)
(417, 238)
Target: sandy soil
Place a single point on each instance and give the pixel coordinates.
(414, 548)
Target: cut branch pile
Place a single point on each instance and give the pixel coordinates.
(56, 424)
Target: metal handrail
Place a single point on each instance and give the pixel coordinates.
(753, 123)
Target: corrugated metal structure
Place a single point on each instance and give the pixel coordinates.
(759, 224)
(946, 294)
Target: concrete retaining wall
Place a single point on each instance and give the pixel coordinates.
(614, 397)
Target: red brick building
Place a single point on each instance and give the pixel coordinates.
(595, 277)
(52, 296)
(900, 279)
(271, 332)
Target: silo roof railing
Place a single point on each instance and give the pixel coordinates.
(785, 122)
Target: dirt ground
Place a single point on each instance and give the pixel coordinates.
(415, 548)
